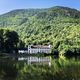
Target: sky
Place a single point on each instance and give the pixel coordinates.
(8, 5)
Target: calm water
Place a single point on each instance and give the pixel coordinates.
(36, 60)
(39, 68)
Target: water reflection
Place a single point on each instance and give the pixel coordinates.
(23, 68)
(36, 60)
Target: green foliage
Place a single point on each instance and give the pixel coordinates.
(8, 40)
(58, 26)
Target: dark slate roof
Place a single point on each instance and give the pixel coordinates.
(40, 46)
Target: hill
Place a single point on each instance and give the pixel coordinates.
(58, 26)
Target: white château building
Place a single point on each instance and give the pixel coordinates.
(36, 49)
(39, 49)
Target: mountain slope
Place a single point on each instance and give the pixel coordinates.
(58, 26)
(18, 17)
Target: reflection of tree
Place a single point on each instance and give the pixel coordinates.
(8, 70)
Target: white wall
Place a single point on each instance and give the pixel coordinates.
(39, 50)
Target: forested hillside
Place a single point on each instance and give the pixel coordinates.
(58, 26)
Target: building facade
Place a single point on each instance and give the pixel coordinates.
(36, 60)
(39, 49)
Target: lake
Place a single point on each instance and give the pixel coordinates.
(39, 68)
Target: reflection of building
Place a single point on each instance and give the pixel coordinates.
(35, 49)
(39, 49)
(36, 60)
(39, 60)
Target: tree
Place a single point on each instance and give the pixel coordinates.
(11, 40)
(21, 44)
(1, 40)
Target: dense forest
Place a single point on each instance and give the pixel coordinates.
(58, 26)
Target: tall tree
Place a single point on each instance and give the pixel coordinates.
(11, 40)
(1, 40)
